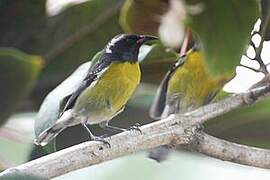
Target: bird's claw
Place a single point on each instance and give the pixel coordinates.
(100, 139)
(136, 127)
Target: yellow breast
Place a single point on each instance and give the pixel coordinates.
(112, 90)
(119, 82)
(192, 83)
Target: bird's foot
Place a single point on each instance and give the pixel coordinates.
(101, 139)
(135, 127)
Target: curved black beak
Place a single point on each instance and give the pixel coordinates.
(143, 38)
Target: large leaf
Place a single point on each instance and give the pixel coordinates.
(79, 32)
(223, 28)
(22, 23)
(19, 72)
(142, 17)
(248, 125)
(265, 17)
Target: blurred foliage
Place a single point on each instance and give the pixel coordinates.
(142, 17)
(223, 28)
(18, 176)
(22, 23)
(83, 30)
(223, 19)
(69, 38)
(15, 151)
(248, 125)
(180, 165)
(265, 17)
(19, 72)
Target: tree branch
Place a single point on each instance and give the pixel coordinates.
(229, 151)
(250, 68)
(91, 152)
(213, 110)
(176, 129)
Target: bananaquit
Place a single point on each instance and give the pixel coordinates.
(104, 91)
(185, 87)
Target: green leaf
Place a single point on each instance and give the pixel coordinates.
(22, 24)
(79, 32)
(223, 28)
(265, 17)
(248, 125)
(19, 72)
(142, 17)
(65, 40)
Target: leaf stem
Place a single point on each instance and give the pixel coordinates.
(186, 41)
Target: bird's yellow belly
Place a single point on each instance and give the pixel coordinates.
(110, 93)
(192, 87)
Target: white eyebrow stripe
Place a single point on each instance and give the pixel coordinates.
(112, 42)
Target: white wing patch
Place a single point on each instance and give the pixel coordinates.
(112, 42)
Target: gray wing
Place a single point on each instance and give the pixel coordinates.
(57, 99)
(51, 106)
(159, 102)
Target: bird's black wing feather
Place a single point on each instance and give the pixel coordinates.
(159, 102)
(88, 80)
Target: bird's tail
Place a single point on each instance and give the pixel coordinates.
(47, 135)
(159, 153)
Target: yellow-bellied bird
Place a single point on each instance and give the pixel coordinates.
(105, 90)
(185, 87)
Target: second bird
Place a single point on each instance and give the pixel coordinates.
(185, 87)
(105, 90)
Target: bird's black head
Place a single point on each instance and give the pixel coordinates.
(125, 47)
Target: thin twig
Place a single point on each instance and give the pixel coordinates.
(251, 68)
(186, 41)
(258, 50)
(175, 129)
